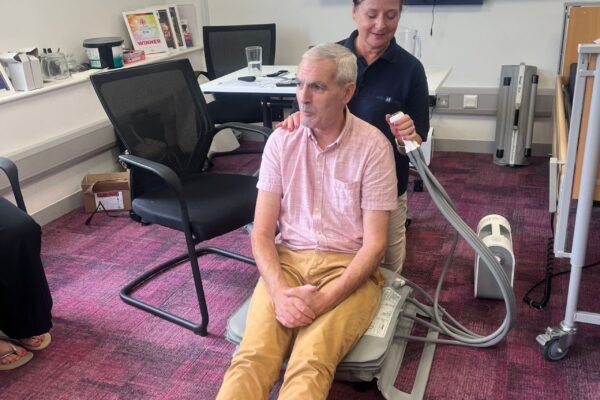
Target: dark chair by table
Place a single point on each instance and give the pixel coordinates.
(224, 52)
(160, 115)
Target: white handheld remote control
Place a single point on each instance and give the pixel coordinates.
(409, 145)
(396, 116)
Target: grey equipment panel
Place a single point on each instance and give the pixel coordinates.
(515, 115)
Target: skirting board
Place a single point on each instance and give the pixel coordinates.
(468, 146)
(487, 99)
(58, 154)
(58, 209)
(479, 146)
(44, 159)
(74, 201)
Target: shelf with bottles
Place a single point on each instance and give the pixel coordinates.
(82, 77)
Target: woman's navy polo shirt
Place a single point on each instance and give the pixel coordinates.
(396, 81)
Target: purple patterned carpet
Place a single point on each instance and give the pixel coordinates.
(104, 349)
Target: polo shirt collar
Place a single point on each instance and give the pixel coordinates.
(391, 53)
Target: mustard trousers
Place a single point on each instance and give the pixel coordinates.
(314, 350)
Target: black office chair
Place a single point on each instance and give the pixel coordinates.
(160, 115)
(10, 169)
(224, 52)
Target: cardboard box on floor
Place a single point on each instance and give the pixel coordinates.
(110, 189)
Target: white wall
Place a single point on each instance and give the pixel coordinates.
(475, 40)
(69, 121)
(63, 24)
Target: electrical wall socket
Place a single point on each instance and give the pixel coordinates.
(470, 101)
(442, 101)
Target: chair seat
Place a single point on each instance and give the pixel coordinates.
(235, 108)
(209, 197)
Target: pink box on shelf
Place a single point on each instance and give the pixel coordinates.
(131, 56)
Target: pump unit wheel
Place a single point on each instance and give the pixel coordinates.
(551, 351)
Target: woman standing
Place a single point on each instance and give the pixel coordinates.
(390, 79)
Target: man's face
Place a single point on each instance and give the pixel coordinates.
(321, 99)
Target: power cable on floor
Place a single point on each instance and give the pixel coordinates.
(547, 281)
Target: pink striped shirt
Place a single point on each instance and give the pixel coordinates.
(323, 192)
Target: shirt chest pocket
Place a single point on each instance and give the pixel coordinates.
(345, 197)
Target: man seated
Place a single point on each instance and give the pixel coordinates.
(329, 185)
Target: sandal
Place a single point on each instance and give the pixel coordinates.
(46, 339)
(22, 360)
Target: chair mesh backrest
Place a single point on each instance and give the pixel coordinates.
(159, 113)
(224, 46)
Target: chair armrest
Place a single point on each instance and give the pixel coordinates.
(261, 130)
(203, 73)
(166, 174)
(12, 173)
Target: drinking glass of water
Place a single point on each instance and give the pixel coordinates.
(254, 58)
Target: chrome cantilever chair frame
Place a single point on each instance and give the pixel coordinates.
(173, 181)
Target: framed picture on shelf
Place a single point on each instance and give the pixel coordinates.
(189, 21)
(176, 23)
(164, 19)
(145, 31)
(5, 84)
(187, 34)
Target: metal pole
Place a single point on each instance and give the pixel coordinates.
(586, 200)
(502, 120)
(566, 186)
(531, 115)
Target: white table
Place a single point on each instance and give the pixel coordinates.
(262, 86)
(436, 76)
(265, 88)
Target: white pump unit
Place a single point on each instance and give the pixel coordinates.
(494, 231)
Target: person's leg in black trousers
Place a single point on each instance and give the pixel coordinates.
(25, 300)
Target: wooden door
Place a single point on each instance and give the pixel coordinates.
(582, 26)
(583, 131)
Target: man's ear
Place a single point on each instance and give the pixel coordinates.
(349, 91)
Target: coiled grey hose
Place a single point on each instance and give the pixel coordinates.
(459, 334)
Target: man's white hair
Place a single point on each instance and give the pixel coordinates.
(344, 59)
